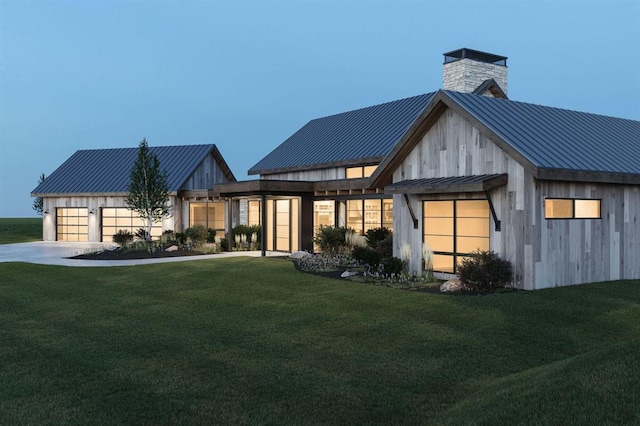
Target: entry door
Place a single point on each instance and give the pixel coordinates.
(282, 224)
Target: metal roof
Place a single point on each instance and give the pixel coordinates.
(476, 183)
(555, 138)
(108, 170)
(366, 134)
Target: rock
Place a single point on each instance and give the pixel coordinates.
(454, 284)
(346, 274)
(172, 248)
(299, 254)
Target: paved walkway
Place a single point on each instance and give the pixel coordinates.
(58, 253)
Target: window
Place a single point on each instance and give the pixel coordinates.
(568, 208)
(209, 215)
(360, 171)
(117, 218)
(253, 212)
(72, 224)
(363, 215)
(454, 229)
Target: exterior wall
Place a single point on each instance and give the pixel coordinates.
(576, 251)
(466, 75)
(453, 147)
(309, 175)
(205, 175)
(94, 204)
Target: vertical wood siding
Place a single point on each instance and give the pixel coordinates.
(309, 175)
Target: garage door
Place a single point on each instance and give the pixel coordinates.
(72, 224)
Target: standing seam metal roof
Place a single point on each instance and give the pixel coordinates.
(350, 136)
(108, 170)
(557, 138)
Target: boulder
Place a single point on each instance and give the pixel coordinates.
(346, 274)
(172, 248)
(299, 254)
(454, 284)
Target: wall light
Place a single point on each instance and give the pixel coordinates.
(92, 211)
(46, 212)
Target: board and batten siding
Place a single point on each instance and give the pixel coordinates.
(309, 175)
(207, 174)
(95, 204)
(577, 251)
(454, 147)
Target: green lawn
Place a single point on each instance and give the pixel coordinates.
(253, 341)
(20, 230)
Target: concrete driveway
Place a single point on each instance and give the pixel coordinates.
(58, 253)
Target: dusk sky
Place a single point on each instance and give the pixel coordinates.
(245, 75)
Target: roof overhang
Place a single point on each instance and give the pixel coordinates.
(448, 185)
(261, 187)
(318, 166)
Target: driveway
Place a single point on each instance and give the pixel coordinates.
(58, 253)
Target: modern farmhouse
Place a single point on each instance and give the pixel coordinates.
(555, 192)
(84, 198)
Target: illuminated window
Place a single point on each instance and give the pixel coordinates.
(72, 224)
(454, 229)
(567, 208)
(360, 171)
(117, 218)
(363, 215)
(253, 212)
(209, 215)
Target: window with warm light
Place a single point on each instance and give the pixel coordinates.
(359, 172)
(210, 215)
(363, 215)
(571, 208)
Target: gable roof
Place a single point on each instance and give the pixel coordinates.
(108, 170)
(356, 137)
(553, 143)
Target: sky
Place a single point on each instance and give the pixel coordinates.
(245, 75)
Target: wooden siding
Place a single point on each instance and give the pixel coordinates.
(309, 175)
(207, 174)
(94, 204)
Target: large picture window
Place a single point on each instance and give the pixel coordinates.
(254, 214)
(209, 215)
(363, 215)
(454, 229)
(570, 208)
(72, 224)
(117, 218)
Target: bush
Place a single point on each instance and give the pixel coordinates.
(123, 237)
(331, 239)
(375, 235)
(211, 235)
(485, 270)
(392, 265)
(246, 237)
(385, 247)
(197, 234)
(366, 256)
(181, 238)
(141, 233)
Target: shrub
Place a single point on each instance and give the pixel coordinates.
(197, 234)
(246, 237)
(375, 235)
(392, 265)
(211, 235)
(366, 256)
(331, 239)
(385, 247)
(141, 233)
(181, 238)
(485, 270)
(123, 237)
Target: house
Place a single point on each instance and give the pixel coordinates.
(84, 198)
(555, 192)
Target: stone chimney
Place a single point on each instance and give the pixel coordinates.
(466, 70)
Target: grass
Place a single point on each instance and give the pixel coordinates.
(254, 341)
(20, 230)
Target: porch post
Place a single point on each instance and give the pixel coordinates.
(263, 221)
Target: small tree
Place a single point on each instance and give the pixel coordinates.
(38, 203)
(148, 189)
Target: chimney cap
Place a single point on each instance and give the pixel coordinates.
(476, 55)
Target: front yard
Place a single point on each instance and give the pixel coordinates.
(250, 340)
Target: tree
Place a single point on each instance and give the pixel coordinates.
(148, 189)
(38, 203)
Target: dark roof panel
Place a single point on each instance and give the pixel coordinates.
(556, 138)
(108, 170)
(367, 133)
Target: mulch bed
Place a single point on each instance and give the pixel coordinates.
(135, 254)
